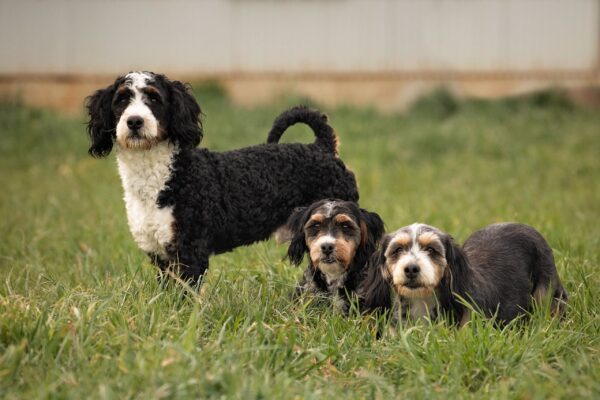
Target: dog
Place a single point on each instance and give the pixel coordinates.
(500, 271)
(186, 203)
(339, 238)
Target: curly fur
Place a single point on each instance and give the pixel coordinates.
(214, 201)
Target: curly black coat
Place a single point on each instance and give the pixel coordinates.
(222, 200)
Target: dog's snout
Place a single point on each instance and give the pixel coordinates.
(135, 122)
(412, 271)
(327, 248)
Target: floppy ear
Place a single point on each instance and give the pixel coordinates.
(374, 291)
(102, 125)
(185, 125)
(295, 225)
(371, 229)
(454, 279)
(455, 256)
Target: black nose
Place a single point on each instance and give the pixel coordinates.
(412, 271)
(327, 248)
(135, 122)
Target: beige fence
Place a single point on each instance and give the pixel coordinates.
(250, 44)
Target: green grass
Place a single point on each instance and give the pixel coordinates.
(82, 316)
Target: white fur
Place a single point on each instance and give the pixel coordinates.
(417, 308)
(144, 174)
(418, 256)
(137, 107)
(333, 271)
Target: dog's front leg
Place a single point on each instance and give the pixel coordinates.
(188, 268)
(192, 269)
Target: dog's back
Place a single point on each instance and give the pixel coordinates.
(241, 196)
(512, 262)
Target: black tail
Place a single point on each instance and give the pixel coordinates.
(318, 122)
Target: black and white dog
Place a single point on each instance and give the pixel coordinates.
(339, 238)
(186, 203)
(501, 269)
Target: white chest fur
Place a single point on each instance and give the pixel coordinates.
(414, 308)
(144, 174)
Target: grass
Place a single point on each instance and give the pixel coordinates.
(82, 316)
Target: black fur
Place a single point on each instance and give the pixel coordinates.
(185, 124)
(179, 112)
(313, 279)
(102, 124)
(225, 200)
(498, 271)
(375, 293)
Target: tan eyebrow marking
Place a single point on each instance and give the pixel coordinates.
(150, 89)
(341, 218)
(123, 89)
(427, 238)
(402, 239)
(319, 218)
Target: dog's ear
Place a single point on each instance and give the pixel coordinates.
(454, 279)
(457, 261)
(185, 124)
(102, 125)
(371, 229)
(374, 291)
(455, 256)
(295, 227)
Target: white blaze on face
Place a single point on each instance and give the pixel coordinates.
(428, 274)
(136, 82)
(333, 270)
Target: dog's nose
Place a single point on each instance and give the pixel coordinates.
(135, 122)
(327, 248)
(412, 271)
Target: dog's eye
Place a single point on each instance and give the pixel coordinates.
(398, 250)
(346, 227)
(314, 226)
(154, 98)
(431, 250)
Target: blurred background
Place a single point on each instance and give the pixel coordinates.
(381, 53)
(457, 113)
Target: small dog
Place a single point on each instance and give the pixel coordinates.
(186, 203)
(421, 272)
(339, 238)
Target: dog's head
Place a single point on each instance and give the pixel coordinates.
(140, 110)
(415, 259)
(336, 234)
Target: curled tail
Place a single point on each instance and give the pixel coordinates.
(317, 121)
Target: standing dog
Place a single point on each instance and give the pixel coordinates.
(421, 272)
(339, 237)
(186, 203)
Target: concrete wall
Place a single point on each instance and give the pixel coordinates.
(229, 36)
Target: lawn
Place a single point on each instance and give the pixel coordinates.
(82, 315)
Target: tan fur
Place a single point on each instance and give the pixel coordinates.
(430, 239)
(341, 218)
(466, 317)
(540, 294)
(344, 251)
(316, 218)
(402, 240)
(364, 233)
(420, 292)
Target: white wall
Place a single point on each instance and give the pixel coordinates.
(207, 36)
